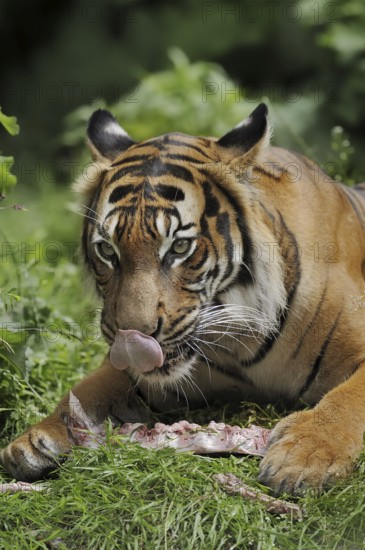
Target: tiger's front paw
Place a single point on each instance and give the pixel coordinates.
(304, 453)
(37, 452)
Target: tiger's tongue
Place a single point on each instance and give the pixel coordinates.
(133, 349)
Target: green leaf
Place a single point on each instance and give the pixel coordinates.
(12, 337)
(10, 123)
(7, 179)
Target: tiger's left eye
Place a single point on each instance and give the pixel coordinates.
(106, 250)
(180, 246)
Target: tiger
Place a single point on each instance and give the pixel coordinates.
(246, 263)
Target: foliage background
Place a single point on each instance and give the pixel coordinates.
(193, 66)
(306, 57)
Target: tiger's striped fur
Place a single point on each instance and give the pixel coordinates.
(263, 304)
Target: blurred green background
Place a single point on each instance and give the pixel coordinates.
(195, 66)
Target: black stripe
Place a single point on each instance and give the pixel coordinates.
(200, 278)
(202, 260)
(355, 205)
(138, 170)
(102, 231)
(314, 369)
(107, 324)
(130, 209)
(184, 227)
(169, 192)
(268, 213)
(84, 243)
(119, 229)
(178, 172)
(186, 309)
(131, 158)
(104, 320)
(176, 322)
(129, 170)
(312, 321)
(271, 339)
(150, 220)
(205, 231)
(155, 143)
(122, 191)
(182, 331)
(355, 368)
(154, 167)
(166, 370)
(148, 190)
(186, 158)
(106, 332)
(244, 276)
(122, 226)
(190, 291)
(99, 270)
(213, 272)
(123, 208)
(223, 226)
(212, 204)
(354, 201)
(294, 243)
(201, 150)
(91, 210)
(266, 173)
(230, 370)
(168, 226)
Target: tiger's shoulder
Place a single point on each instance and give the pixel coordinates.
(279, 165)
(287, 177)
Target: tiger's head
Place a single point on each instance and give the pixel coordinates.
(167, 232)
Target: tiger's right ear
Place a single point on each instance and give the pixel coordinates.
(106, 140)
(244, 144)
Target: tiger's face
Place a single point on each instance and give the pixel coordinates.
(165, 234)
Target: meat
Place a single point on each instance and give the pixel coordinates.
(182, 436)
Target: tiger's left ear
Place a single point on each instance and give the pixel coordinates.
(106, 140)
(247, 139)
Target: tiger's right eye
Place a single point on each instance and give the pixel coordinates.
(106, 250)
(181, 246)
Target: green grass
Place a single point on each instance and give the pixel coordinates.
(122, 496)
(128, 497)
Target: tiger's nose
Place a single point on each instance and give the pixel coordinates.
(146, 329)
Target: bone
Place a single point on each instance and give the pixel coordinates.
(234, 486)
(20, 486)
